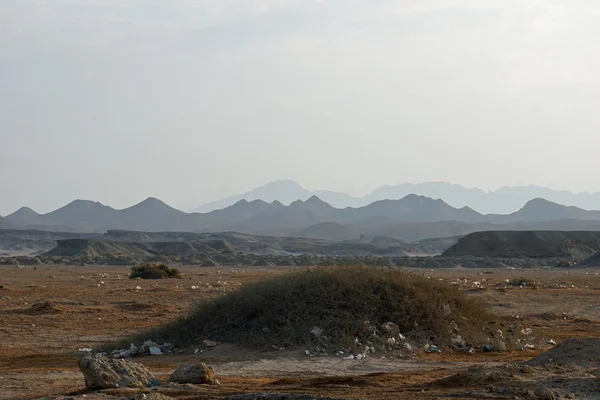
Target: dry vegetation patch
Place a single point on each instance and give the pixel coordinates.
(153, 271)
(345, 303)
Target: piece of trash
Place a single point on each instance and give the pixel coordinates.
(307, 352)
(155, 351)
(408, 346)
(138, 288)
(360, 356)
(551, 342)
(350, 357)
(210, 343)
(196, 351)
(527, 347)
(526, 331)
(391, 341)
(85, 350)
(429, 348)
(316, 331)
(487, 348)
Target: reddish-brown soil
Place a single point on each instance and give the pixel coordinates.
(48, 313)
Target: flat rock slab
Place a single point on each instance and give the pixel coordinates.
(103, 373)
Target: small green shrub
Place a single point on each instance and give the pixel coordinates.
(153, 271)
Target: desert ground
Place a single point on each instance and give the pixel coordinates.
(49, 313)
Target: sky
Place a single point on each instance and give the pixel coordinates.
(194, 100)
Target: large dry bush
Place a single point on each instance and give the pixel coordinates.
(153, 271)
(283, 310)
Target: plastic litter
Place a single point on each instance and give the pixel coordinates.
(429, 348)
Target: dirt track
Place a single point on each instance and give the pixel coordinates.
(88, 306)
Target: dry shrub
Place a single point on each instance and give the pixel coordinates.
(282, 310)
(153, 271)
(525, 282)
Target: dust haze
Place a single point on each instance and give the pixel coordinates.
(191, 102)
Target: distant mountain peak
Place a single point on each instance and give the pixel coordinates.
(25, 212)
(314, 199)
(152, 201)
(540, 202)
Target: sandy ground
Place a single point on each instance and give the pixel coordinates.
(93, 305)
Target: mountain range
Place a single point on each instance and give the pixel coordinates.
(408, 219)
(502, 201)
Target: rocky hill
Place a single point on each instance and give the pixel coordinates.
(574, 246)
(505, 200)
(32, 242)
(409, 219)
(198, 248)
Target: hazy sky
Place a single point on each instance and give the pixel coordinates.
(193, 100)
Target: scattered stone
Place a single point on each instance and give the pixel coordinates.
(499, 346)
(103, 373)
(148, 396)
(274, 396)
(526, 331)
(199, 374)
(543, 393)
(526, 369)
(210, 343)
